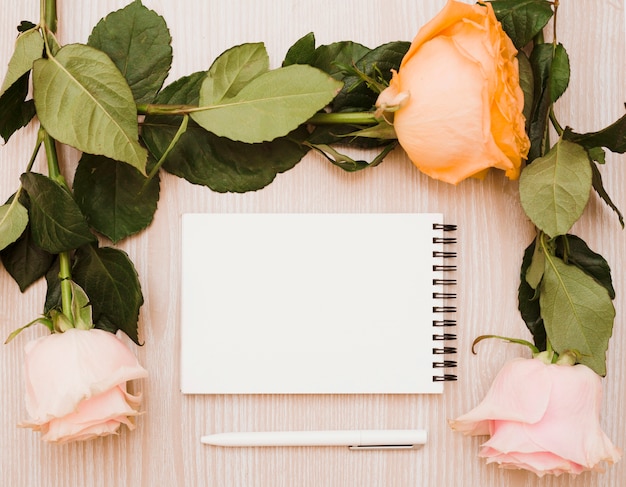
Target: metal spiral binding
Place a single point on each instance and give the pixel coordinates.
(446, 227)
(444, 308)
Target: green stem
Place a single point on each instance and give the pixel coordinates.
(350, 118)
(65, 273)
(53, 161)
(65, 276)
(155, 109)
(41, 134)
(555, 123)
(519, 341)
(49, 14)
(556, 9)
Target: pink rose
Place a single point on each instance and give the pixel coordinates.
(76, 385)
(459, 97)
(543, 418)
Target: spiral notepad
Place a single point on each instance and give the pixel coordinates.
(317, 303)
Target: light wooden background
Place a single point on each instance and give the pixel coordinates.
(165, 449)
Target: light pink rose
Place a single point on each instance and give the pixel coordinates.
(76, 385)
(543, 418)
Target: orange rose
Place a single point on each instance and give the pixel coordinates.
(459, 97)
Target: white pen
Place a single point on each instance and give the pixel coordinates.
(355, 439)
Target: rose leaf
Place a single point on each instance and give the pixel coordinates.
(598, 185)
(522, 19)
(554, 189)
(221, 164)
(559, 73)
(578, 313)
(13, 222)
(576, 251)
(113, 198)
(331, 57)
(28, 48)
(110, 280)
(302, 51)
(139, 43)
(84, 101)
(270, 106)
(612, 137)
(57, 224)
(15, 112)
(233, 70)
(25, 261)
(528, 302)
(527, 83)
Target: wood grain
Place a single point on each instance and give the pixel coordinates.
(164, 450)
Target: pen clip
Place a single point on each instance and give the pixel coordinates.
(384, 447)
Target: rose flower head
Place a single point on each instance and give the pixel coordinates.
(76, 385)
(457, 99)
(542, 417)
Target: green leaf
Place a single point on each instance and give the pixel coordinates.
(598, 185)
(15, 112)
(554, 189)
(559, 73)
(534, 272)
(81, 309)
(612, 137)
(138, 41)
(40, 321)
(109, 278)
(522, 19)
(221, 164)
(528, 302)
(575, 251)
(527, 83)
(577, 312)
(382, 59)
(57, 225)
(597, 154)
(332, 57)
(347, 163)
(13, 222)
(375, 65)
(25, 26)
(113, 198)
(541, 62)
(25, 261)
(302, 51)
(382, 131)
(338, 159)
(53, 291)
(233, 70)
(272, 104)
(28, 48)
(83, 100)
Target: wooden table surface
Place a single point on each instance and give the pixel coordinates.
(165, 450)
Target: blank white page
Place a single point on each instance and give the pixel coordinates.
(308, 303)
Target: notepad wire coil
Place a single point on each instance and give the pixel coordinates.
(444, 308)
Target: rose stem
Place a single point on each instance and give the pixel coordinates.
(65, 274)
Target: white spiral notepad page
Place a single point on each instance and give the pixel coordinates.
(308, 303)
